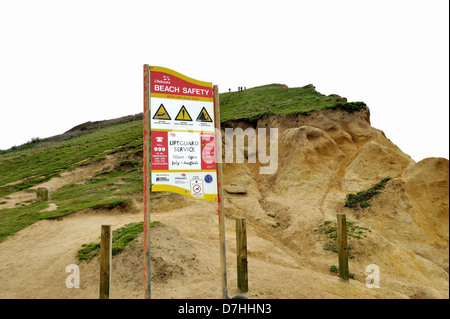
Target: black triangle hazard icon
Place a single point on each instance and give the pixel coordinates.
(204, 116)
(161, 114)
(183, 115)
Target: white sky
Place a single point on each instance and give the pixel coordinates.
(63, 63)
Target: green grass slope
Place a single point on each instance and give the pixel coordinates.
(108, 189)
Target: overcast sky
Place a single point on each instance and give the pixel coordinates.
(63, 63)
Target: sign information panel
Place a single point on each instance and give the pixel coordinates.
(182, 135)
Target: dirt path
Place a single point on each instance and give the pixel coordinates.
(33, 261)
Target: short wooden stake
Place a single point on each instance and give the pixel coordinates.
(105, 261)
(241, 254)
(43, 193)
(342, 246)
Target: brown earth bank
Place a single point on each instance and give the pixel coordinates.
(322, 157)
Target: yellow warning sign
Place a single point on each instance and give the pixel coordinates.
(204, 116)
(161, 114)
(183, 115)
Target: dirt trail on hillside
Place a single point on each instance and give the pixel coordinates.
(33, 261)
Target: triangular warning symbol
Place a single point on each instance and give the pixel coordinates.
(204, 116)
(183, 115)
(161, 114)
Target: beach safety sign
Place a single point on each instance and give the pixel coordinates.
(182, 135)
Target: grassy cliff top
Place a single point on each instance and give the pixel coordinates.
(274, 99)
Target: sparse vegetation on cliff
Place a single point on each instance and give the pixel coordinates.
(362, 197)
(329, 229)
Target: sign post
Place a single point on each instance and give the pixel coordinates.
(147, 182)
(180, 120)
(221, 211)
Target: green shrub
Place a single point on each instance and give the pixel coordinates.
(362, 197)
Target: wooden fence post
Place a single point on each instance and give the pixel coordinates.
(342, 246)
(105, 261)
(220, 198)
(241, 254)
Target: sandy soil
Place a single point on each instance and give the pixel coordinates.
(322, 158)
(185, 261)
